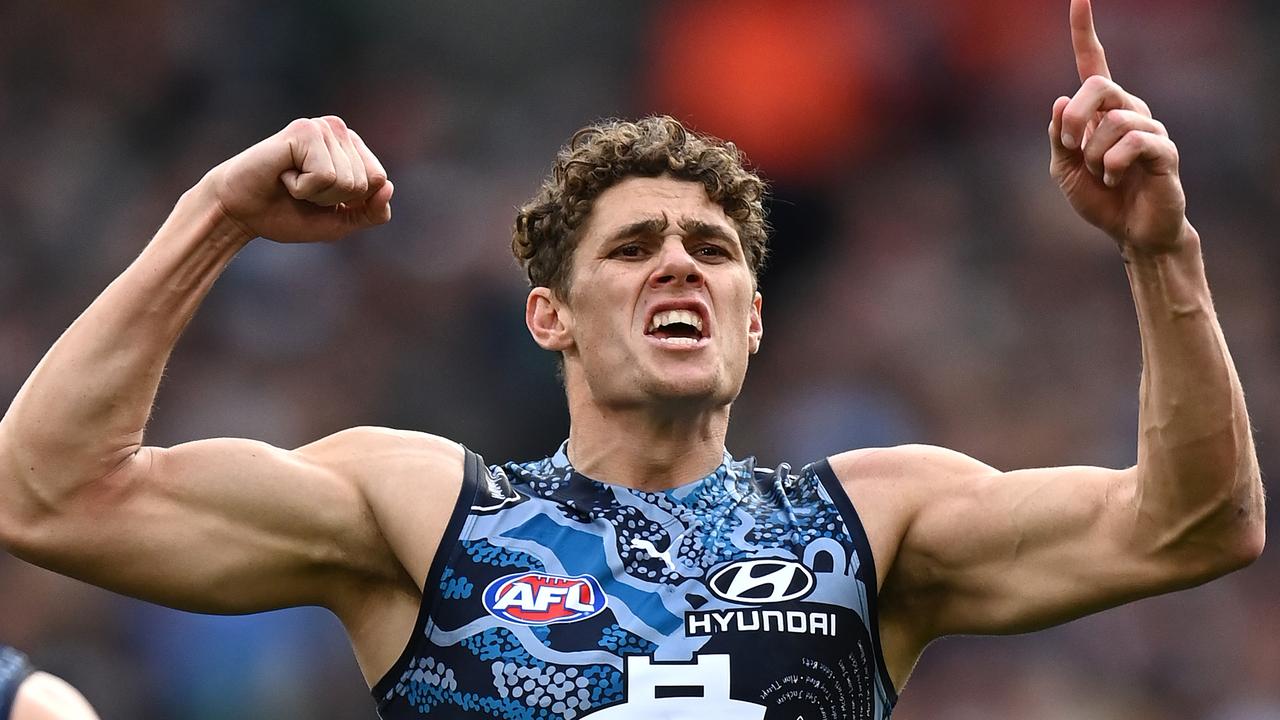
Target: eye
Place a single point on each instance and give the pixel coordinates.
(630, 250)
(711, 251)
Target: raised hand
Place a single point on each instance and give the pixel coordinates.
(1112, 159)
(313, 181)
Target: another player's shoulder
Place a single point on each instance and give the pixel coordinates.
(907, 467)
(48, 697)
(379, 452)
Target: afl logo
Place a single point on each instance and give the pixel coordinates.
(532, 598)
(757, 582)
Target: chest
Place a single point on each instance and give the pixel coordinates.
(547, 603)
(569, 601)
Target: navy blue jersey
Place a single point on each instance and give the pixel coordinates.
(14, 669)
(747, 595)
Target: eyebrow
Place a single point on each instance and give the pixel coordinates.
(654, 226)
(701, 228)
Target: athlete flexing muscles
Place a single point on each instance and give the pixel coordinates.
(640, 566)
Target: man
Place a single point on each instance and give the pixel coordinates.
(30, 694)
(640, 571)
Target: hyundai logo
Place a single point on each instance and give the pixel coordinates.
(756, 582)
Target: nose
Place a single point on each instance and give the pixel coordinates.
(675, 266)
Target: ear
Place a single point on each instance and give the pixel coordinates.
(755, 331)
(548, 320)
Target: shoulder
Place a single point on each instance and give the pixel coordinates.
(48, 697)
(410, 481)
(896, 484)
(908, 468)
(374, 454)
(890, 487)
(409, 484)
(369, 437)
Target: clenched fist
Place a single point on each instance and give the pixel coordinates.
(313, 181)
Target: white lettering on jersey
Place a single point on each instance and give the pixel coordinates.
(523, 596)
(699, 623)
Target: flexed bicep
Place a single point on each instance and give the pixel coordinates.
(231, 525)
(988, 552)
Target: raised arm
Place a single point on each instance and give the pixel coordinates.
(221, 525)
(974, 550)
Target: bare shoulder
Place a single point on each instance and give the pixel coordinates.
(889, 486)
(892, 489)
(910, 466)
(368, 451)
(48, 697)
(411, 481)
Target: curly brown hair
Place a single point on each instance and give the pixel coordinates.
(599, 156)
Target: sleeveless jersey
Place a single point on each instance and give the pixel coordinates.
(747, 595)
(14, 669)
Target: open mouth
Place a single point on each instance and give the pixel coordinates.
(676, 327)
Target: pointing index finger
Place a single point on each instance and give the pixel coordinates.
(1090, 58)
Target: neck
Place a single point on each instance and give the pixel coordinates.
(646, 448)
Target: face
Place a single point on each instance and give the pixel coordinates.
(661, 306)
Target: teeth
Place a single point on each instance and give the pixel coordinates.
(679, 341)
(671, 317)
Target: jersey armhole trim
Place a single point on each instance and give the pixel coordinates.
(472, 466)
(860, 542)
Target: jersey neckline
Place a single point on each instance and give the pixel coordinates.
(559, 460)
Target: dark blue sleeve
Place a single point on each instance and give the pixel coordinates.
(14, 668)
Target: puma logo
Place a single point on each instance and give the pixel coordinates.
(652, 550)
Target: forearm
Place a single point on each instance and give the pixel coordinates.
(83, 410)
(1196, 458)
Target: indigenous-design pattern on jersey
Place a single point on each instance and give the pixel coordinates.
(14, 669)
(746, 595)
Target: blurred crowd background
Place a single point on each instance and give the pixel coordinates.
(928, 283)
